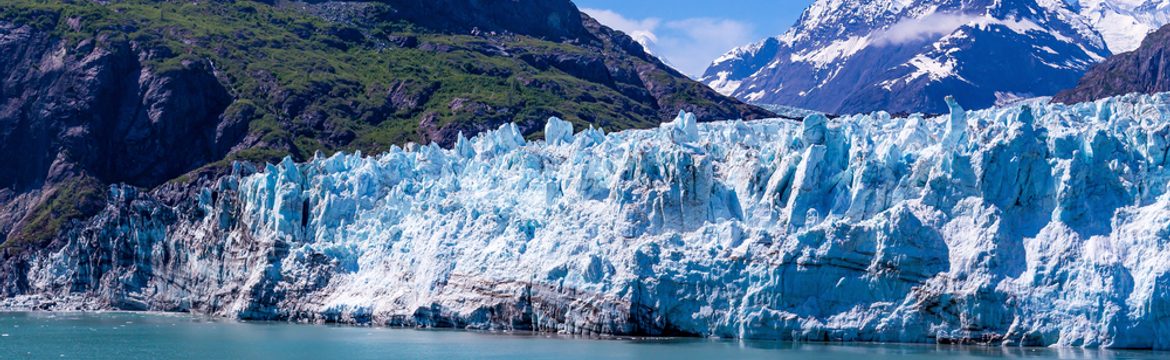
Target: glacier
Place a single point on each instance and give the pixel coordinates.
(1040, 224)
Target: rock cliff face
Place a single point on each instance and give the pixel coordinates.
(556, 19)
(96, 109)
(147, 92)
(1145, 70)
(1029, 225)
(93, 113)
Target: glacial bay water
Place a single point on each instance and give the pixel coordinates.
(174, 336)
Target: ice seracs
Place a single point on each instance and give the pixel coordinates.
(1043, 224)
(684, 128)
(557, 131)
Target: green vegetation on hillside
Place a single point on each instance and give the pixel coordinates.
(74, 199)
(330, 85)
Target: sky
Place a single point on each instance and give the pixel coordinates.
(689, 34)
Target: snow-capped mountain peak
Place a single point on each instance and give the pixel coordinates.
(1124, 23)
(907, 55)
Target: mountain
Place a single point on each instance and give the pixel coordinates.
(1144, 70)
(1016, 226)
(1124, 23)
(847, 56)
(165, 93)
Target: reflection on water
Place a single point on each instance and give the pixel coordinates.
(153, 336)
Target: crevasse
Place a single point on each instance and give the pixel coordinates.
(1032, 225)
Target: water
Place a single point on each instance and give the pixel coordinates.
(155, 336)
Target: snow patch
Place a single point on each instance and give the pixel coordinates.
(833, 52)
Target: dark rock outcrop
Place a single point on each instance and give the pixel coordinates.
(549, 19)
(1145, 70)
(91, 110)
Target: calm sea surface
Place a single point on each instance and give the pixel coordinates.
(155, 336)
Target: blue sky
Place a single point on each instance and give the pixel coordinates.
(690, 33)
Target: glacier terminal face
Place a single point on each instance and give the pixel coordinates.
(1037, 225)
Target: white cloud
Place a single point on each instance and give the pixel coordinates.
(911, 30)
(687, 44)
(702, 40)
(641, 30)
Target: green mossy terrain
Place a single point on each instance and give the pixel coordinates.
(304, 76)
(72, 200)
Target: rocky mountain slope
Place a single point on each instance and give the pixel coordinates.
(848, 56)
(167, 93)
(1018, 226)
(1144, 70)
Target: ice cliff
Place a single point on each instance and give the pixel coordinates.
(1039, 225)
